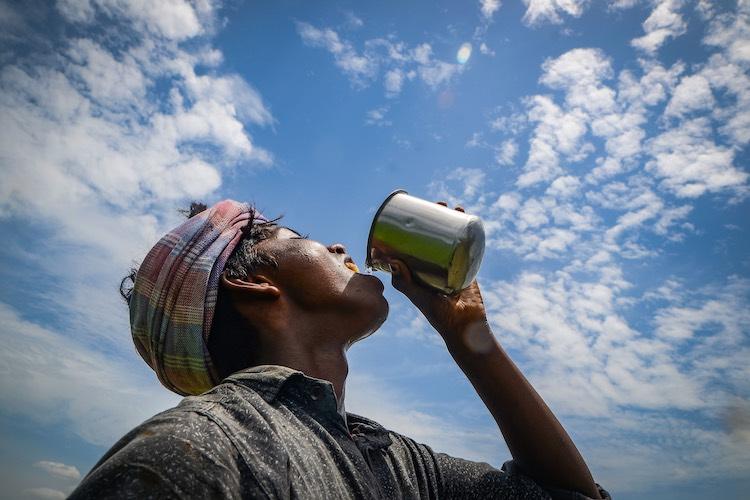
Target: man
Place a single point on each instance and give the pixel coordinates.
(253, 322)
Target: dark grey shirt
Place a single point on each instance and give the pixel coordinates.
(273, 432)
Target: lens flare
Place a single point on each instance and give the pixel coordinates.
(464, 53)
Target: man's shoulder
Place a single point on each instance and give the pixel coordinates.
(193, 418)
(223, 403)
(177, 451)
(190, 420)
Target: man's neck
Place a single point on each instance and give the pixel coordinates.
(322, 361)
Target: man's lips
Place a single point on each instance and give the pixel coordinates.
(348, 262)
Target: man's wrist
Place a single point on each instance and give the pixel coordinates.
(472, 338)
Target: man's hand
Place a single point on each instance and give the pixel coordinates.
(537, 441)
(450, 315)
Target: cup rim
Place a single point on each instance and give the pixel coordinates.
(368, 260)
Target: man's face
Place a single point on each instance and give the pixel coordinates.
(319, 279)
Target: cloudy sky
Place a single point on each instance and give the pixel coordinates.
(604, 144)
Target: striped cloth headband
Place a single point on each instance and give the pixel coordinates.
(174, 295)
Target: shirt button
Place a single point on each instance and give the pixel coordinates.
(315, 393)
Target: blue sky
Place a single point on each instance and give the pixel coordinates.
(604, 144)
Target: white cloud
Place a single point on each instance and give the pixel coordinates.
(684, 160)
(59, 469)
(98, 396)
(557, 133)
(726, 76)
(663, 23)
(577, 340)
(484, 49)
(682, 323)
(669, 217)
(361, 68)
(580, 72)
(511, 124)
(10, 20)
(109, 82)
(436, 73)
(419, 328)
(95, 138)
(642, 207)
(532, 214)
(619, 361)
(508, 202)
(546, 227)
(589, 103)
(489, 7)
(652, 88)
(354, 21)
(45, 493)
(548, 11)
(584, 66)
(367, 395)
(727, 71)
(539, 12)
(622, 131)
(622, 127)
(472, 180)
(731, 31)
(462, 186)
(475, 141)
(377, 117)
(397, 62)
(394, 81)
(623, 4)
(81, 11)
(96, 164)
(690, 163)
(172, 19)
(692, 94)
(506, 152)
(88, 132)
(422, 53)
(564, 187)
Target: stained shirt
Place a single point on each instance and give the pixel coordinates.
(273, 432)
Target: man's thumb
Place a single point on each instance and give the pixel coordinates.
(401, 277)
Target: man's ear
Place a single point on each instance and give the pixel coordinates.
(254, 286)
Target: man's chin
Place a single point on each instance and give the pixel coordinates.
(378, 319)
(371, 280)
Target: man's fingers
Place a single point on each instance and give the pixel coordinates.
(403, 280)
(445, 204)
(400, 272)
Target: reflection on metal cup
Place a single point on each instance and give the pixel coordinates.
(443, 248)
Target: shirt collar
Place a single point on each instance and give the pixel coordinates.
(270, 381)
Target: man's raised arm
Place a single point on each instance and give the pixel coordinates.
(537, 441)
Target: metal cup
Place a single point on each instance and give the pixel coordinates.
(443, 248)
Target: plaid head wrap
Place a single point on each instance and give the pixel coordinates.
(174, 296)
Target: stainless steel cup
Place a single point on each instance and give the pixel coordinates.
(442, 247)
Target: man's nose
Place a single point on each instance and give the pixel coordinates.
(337, 248)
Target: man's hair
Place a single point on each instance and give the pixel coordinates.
(231, 339)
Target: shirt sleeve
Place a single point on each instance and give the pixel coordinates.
(467, 479)
(557, 494)
(174, 455)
